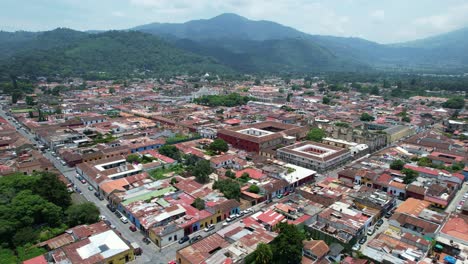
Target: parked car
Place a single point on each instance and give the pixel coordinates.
(388, 214)
(124, 220)
(356, 247)
(279, 196)
(459, 207)
(118, 214)
(102, 217)
(229, 219)
(146, 240)
(380, 222)
(184, 239)
(249, 210)
(110, 207)
(209, 228)
(132, 228)
(96, 194)
(370, 231)
(363, 240)
(195, 239)
(90, 188)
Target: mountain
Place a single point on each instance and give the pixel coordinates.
(229, 26)
(227, 35)
(15, 42)
(112, 53)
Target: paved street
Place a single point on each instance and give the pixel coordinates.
(456, 200)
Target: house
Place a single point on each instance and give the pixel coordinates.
(315, 250)
(89, 120)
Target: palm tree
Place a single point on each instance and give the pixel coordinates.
(263, 254)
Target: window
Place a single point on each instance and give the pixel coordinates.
(170, 238)
(175, 237)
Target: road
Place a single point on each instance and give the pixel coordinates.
(456, 200)
(150, 252)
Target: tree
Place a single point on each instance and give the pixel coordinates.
(288, 97)
(85, 213)
(374, 90)
(316, 134)
(31, 114)
(199, 203)
(454, 103)
(58, 111)
(424, 162)
(263, 254)
(111, 90)
(397, 165)
(406, 119)
(287, 246)
(133, 158)
(230, 174)
(410, 175)
(245, 176)
(201, 171)
(55, 192)
(257, 82)
(230, 188)
(366, 117)
(191, 160)
(29, 100)
(325, 100)
(254, 188)
(170, 151)
(219, 145)
(15, 96)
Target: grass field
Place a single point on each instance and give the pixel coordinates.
(22, 110)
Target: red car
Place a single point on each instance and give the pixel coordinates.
(132, 228)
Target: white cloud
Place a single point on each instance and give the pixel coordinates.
(378, 15)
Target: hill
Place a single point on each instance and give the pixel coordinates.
(112, 53)
(224, 26)
(441, 53)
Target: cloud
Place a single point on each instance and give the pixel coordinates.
(118, 14)
(378, 15)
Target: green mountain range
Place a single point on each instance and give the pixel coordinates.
(227, 43)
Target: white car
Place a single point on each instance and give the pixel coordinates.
(356, 247)
(465, 195)
(459, 207)
(209, 228)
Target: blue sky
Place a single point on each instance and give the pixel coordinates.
(383, 21)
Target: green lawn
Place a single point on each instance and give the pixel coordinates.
(160, 173)
(22, 110)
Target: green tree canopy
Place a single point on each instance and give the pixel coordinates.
(316, 134)
(397, 165)
(454, 103)
(230, 188)
(230, 174)
(170, 151)
(263, 254)
(85, 213)
(132, 158)
(366, 117)
(219, 145)
(199, 203)
(254, 188)
(326, 100)
(410, 175)
(201, 170)
(287, 246)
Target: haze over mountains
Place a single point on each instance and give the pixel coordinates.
(226, 43)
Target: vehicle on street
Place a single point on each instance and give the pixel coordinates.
(90, 188)
(132, 228)
(465, 195)
(363, 240)
(113, 226)
(77, 190)
(209, 228)
(118, 214)
(146, 240)
(380, 222)
(136, 248)
(356, 247)
(370, 231)
(124, 220)
(286, 194)
(96, 194)
(63, 163)
(102, 217)
(237, 215)
(279, 196)
(184, 239)
(225, 223)
(248, 210)
(230, 218)
(388, 214)
(461, 203)
(195, 239)
(459, 207)
(110, 207)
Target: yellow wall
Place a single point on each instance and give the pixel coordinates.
(153, 237)
(120, 258)
(210, 220)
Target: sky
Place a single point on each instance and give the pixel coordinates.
(383, 21)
